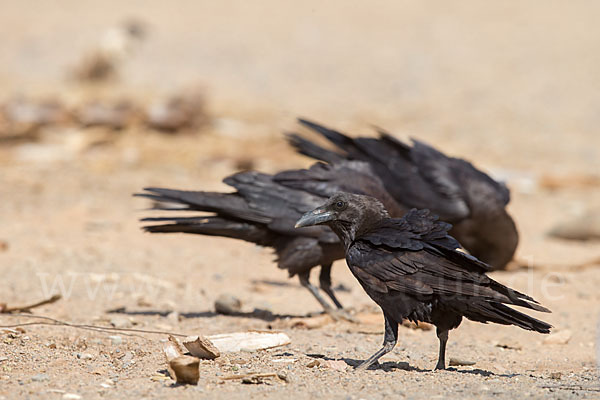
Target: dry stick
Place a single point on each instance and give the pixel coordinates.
(56, 322)
(250, 375)
(573, 387)
(8, 310)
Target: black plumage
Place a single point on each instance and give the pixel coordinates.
(410, 267)
(420, 176)
(264, 209)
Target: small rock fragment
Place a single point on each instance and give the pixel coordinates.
(40, 377)
(313, 363)
(120, 322)
(585, 227)
(115, 340)
(158, 378)
(337, 365)
(101, 62)
(561, 337)
(508, 343)
(143, 302)
(171, 349)
(183, 111)
(185, 369)
(107, 384)
(71, 396)
(3, 245)
(253, 380)
(555, 375)
(115, 116)
(228, 305)
(201, 347)
(458, 362)
(174, 317)
(283, 376)
(280, 360)
(127, 359)
(85, 356)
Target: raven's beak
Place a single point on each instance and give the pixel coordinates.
(315, 217)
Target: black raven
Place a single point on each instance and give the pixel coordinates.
(410, 267)
(420, 176)
(264, 209)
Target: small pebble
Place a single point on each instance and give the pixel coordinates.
(228, 304)
(555, 375)
(458, 362)
(40, 377)
(120, 322)
(560, 337)
(115, 340)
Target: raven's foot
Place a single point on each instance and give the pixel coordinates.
(363, 366)
(341, 314)
(439, 367)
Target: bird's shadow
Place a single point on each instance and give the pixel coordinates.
(387, 366)
(390, 366)
(257, 313)
(482, 372)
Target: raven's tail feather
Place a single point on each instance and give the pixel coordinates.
(310, 149)
(212, 226)
(228, 204)
(484, 311)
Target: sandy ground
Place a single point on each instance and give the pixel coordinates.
(511, 86)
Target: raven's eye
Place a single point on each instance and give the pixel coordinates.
(340, 205)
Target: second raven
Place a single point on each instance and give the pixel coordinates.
(263, 211)
(420, 176)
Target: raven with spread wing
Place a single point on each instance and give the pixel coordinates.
(420, 176)
(410, 267)
(263, 211)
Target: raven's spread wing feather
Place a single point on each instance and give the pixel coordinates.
(324, 180)
(417, 175)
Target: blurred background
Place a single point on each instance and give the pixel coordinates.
(99, 99)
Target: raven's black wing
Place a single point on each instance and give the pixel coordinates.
(325, 180)
(416, 256)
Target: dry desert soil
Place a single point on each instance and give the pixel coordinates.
(512, 86)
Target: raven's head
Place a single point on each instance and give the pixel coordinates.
(346, 214)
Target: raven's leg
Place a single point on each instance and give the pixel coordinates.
(304, 276)
(389, 341)
(443, 336)
(325, 282)
(336, 315)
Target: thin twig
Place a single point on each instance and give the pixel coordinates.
(56, 322)
(573, 387)
(250, 375)
(7, 310)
